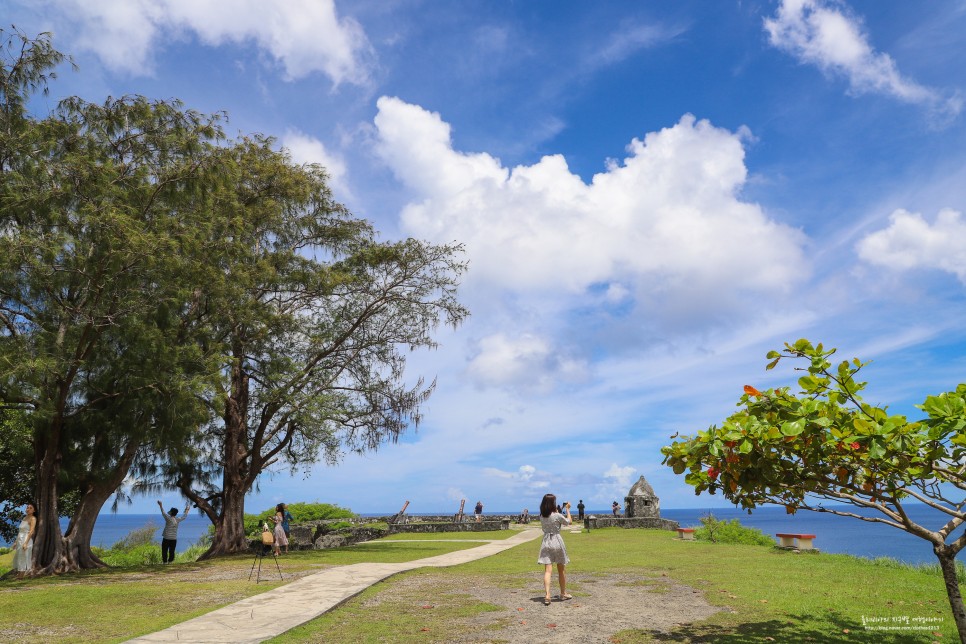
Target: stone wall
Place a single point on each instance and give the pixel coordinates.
(471, 526)
(636, 522)
(317, 535)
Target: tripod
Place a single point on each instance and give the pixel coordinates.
(261, 553)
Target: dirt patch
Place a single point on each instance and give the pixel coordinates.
(602, 605)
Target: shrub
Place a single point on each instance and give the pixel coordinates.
(145, 554)
(717, 531)
(301, 513)
(137, 548)
(191, 554)
(339, 525)
(138, 537)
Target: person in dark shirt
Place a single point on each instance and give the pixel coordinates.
(580, 510)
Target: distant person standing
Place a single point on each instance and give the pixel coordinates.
(23, 546)
(552, 549)
(169, 537)
(286, 523)
(280, 537)
(616, 509)
(478, 511)
(580, 509)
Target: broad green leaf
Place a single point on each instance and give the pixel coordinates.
(793, 428)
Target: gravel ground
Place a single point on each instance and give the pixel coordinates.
(603, 605)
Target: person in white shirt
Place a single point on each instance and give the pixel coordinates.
(169, 537)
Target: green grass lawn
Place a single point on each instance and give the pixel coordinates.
(83, 607)
(770, 595)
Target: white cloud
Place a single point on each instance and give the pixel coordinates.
(910, 242)
(616, 483)
(620, 475)
(455, 494)
(307, 149)
(667, 225)
(304, 36)
(526, 362)
(524, 473)
(823, 33)
(630, 39)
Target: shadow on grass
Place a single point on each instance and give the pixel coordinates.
(830, 627)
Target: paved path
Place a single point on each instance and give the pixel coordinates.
(261, 617)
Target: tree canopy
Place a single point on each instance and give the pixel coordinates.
(187, 308)
(825, 449)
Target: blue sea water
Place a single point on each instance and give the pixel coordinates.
(111, 528)
(833, 533)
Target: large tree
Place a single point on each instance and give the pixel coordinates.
(825, 444)
(99, 205)
(312, 314)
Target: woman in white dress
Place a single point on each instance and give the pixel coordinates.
(279, 532)
(24, 545)
(552, 549)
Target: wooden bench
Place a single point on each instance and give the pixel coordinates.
(786, 540)
(687, 534)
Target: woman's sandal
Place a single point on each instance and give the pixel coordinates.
(564, 598)
(546, 601)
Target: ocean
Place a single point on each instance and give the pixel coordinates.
(833, 533)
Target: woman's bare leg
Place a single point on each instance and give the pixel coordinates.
(548, 569)
(562, 578)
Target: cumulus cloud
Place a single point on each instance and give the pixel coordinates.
(304, 36)
(616, 482)
(825, 34)
(526, 362)
(666, 226)
(308, 149)
(620, 475)
(911, 242)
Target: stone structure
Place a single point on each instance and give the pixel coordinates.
(643, 510)
(318, 535)
(641, 502)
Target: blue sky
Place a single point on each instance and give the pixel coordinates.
(652, 196)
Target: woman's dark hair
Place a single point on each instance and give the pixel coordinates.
(548, 506)
(173, 512)
(280, 508)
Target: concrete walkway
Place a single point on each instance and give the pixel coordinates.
(269, 614)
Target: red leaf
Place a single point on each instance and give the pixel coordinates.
(751, 391)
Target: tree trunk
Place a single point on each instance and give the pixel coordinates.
(77, 539)
(230, 537)
(947, 562)
(51, 555)
(78, 535)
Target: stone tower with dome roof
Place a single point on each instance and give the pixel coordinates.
(641, 502)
